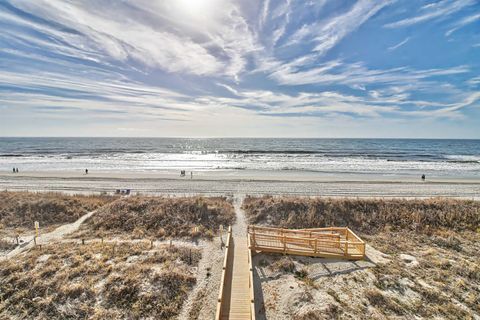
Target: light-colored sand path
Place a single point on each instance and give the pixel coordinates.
(240, 226)
(202, 301)
(54, 235)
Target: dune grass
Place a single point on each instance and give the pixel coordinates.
(21, 209)
(159, 217)
(365, 215)
(97, 281)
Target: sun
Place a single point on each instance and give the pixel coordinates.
(196, 8)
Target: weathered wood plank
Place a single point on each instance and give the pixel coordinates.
(236, 293)
(322, 242)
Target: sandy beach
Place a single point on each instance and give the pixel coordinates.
(255, 183)
(123, 236)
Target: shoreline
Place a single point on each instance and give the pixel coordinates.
(240, 176)
(216, 184)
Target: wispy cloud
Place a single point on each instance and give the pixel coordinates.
(119, 38)
(439, 9)
(474, 81)
(385, 103)
(398, 45)
(337, 72)
(326, 34)
(462, 23)
(237, 64)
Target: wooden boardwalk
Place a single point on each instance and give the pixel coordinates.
(235, 299)
(321, 242)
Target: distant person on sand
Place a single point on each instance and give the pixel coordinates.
(14, 170)
(423, 177)
(86, 171)
(17, 170)
(191, 175)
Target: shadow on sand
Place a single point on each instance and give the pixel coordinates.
(317, 268)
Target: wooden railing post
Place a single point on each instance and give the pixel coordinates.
(253, 238)
(227, 258)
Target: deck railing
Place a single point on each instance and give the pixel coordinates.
(324, 242)
(223, 279)
(250, 281)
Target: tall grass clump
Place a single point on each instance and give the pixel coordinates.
(162, 217)
(366, 215)
(21, 209)
(72, 281)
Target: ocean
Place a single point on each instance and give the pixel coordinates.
(388, 157)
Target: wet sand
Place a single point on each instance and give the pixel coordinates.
(254, 183)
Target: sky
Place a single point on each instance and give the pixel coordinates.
(240, 68)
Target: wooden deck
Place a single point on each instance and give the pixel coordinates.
(319, 242)
(236, 292)
(236, 297)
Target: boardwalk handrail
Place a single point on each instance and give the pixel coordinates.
(250, 280)
(223, 277)
(359, 243)
(324, 232)
(325, 242)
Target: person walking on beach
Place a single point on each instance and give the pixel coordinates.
(13, 170)
(191, 175)
(17, 170)
(423, 177)
(86, 171)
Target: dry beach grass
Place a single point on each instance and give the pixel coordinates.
(97, 281)
(160, 217)
(21, 209)
(432, 270)
(124, 275)
(365, 215)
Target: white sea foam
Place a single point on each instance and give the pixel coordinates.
(215, 161)
(456, 158)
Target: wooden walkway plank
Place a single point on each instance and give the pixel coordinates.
(238, 306)
(235, 301)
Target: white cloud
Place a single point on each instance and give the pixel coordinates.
(440, 9)
(265, 10)
(336, 72)
(469, 100)
(398, 45)
(213, 48)
(135, 60)
(463, 22)
(474, 81)
(326, 34)
(378, 103)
